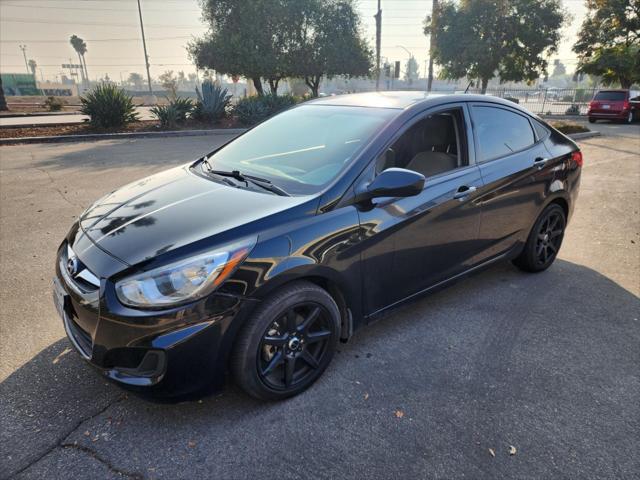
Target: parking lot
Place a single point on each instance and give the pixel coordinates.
(548, 364)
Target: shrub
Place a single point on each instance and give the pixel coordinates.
(212, 102)
(573, 110)
(174, 113)
(108, 106)
(54, 104)
(252, 110)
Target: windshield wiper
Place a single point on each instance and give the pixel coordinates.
(243, 177)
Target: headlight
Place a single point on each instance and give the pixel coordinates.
(185, 280)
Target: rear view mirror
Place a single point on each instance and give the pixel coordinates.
(393, 182)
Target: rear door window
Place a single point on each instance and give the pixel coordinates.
(500, 132)
(611, 96)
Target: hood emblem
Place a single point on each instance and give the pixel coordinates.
(72, 266)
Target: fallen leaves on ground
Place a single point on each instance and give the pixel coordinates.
(512, 450)
(399, 414)
(366, 395)
(62, 354)
(492, 452)
(191, 444)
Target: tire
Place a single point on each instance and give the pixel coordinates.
(629, 119)
(287, 343)
(544, 241)
(592, 120)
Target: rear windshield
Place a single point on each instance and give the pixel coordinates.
(611, 96)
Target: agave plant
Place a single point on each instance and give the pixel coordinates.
(108, 106)
(252, 110)
(174, 112)
(212, 102)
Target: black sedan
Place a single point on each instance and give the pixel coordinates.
(259, 257)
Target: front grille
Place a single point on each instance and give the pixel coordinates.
(82, 279)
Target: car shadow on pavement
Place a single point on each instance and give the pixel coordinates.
(547, 363)
(108, 154)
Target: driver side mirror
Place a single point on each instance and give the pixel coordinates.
(392, 182)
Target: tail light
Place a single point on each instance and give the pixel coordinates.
(626, 105)
(576, 157)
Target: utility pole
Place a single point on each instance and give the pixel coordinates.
(378, 17)
(144, 46)
(434, 12)
(24, 53)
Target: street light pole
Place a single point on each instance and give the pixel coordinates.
(144, 46)
(378, 17)
(410, 57)
(434, 12)
(24, 53)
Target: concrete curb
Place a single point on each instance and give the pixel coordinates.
(584, 135)
(175, 133)
(37, 114)
(118, 136)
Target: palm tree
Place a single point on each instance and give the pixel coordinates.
(80, 47)
(32, 66)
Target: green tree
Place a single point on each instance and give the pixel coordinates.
(273, 39)
(3, 100)
(136, 80)
(411, 70)
(245, 38)
(326, 42)
(559, 69)
(609, 41)
(484, 38)
(170, 83)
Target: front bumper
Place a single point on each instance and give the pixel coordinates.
(166, 353)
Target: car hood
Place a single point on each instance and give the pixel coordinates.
(172, 209)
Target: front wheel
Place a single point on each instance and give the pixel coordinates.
(592, 120)
(544, 241)
(288, 343)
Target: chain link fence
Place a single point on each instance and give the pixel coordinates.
(549, 101)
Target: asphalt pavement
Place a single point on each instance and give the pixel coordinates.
(442, 388)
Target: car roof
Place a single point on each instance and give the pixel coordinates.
(403, 99)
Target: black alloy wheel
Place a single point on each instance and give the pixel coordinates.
(287, 343)
(544, 241)
(549, 237)
(293, 346)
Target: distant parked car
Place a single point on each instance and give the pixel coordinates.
(621, 105)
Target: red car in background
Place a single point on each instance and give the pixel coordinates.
(615, 105)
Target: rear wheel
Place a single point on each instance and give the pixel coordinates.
(630, 117)
(288, 343)
(544, 240)
(592, 120)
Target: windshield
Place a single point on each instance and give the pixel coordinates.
(304, 148)
(611, 96)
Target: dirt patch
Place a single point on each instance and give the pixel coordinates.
(85, 128)
(568, 127)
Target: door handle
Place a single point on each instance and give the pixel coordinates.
(540, 162)
(464, 191)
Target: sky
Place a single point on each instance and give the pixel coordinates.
(111, 30)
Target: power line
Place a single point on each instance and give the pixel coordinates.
(38, 7)
(108, 24)
(97, 40)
